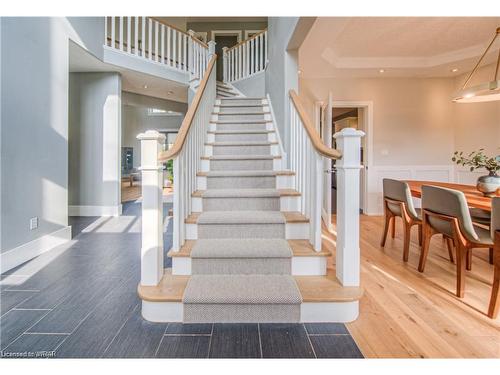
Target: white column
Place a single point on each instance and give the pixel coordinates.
(152, 207)
(348, 167)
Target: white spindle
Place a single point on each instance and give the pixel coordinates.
(265, 48)
(261, 50)
(129, 34)
(184, 58)
(150, 38)
(174, 47)
(163, 44)
(136, 36)
(168, 47)
(106, 31)
(143, 38)
(179, 53)
(156, 41)
(113, 30)
(120, 34)
(252, 56)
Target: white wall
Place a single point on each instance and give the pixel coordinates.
(94, 144)
(252, 87)
(34, 126)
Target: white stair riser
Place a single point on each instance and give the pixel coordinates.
(293, 231)
(240, 117)
(286, 204)
(240, 101)
(301, 266)
(310, 312)
(239, 110)
(284, 182)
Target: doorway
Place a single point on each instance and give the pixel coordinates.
(223, 40)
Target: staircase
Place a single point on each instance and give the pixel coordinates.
(226, 90)
(247, 257)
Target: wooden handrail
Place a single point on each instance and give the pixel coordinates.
(188, 119)
(316, 141)
(247, 40)
(181, 31)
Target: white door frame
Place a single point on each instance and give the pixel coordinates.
(368, 151)
(238, 33)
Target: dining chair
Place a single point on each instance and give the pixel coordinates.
(495, 235)
(482, 217)
(398, 203)
(445, 211)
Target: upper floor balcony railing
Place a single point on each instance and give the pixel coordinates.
(246, 58)
(150, 39)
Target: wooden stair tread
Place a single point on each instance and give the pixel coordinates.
(326, 289)
(300, 248)
(290, 217)
(170, 289)
(312, 288)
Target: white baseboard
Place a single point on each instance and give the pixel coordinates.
(95, 210)
(27, 251)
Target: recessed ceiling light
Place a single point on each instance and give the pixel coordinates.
(381, 70)
(454, 70)
(299, 71)
(145, 86)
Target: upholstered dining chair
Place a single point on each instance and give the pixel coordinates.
(495, 235)
(445, 211)
(398, 203)
(482, 217)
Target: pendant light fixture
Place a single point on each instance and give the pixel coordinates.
(485, 92)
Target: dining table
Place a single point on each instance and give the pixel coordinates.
(473, 196)
(474, 199)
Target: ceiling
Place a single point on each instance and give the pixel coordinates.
(132, 81)
(401, 46)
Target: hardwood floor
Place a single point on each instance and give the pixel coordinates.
(404, 313)
(132, 193)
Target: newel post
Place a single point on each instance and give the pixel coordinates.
(348, 168)
(152, 207)
(224, 61)
(211, 49)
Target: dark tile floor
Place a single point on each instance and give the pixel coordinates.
(80, 301)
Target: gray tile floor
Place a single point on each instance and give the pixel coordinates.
(80, 301)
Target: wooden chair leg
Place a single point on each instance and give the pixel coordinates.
(419, 234)
(461, 263)
(449, 244)
(393, 226)
(425, 248)
(495, 290)
(406, 240)
(490, 255)
(386, 230)
(468, 264)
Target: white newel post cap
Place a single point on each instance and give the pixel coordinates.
(151, 144)
(351, 157)
(152, 135)
(211, 48)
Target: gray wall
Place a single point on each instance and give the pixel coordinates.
(34, 121)
(253, 87)
(94, 139)
(281, 73)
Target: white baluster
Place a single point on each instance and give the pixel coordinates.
(179, 52)
(106, 31)
(129, 32)
(120, 34)
(143, 38)
(113, 30)
(163, 44)
(136, 36)
(184, 47)
(265, 48)
(152, 207)
(169, 60)
(174, 48)
(224, 64)
(348, 167)
(150, 38)
(156, 41)
(261, 52)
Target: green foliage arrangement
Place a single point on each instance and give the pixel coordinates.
(477, 159)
